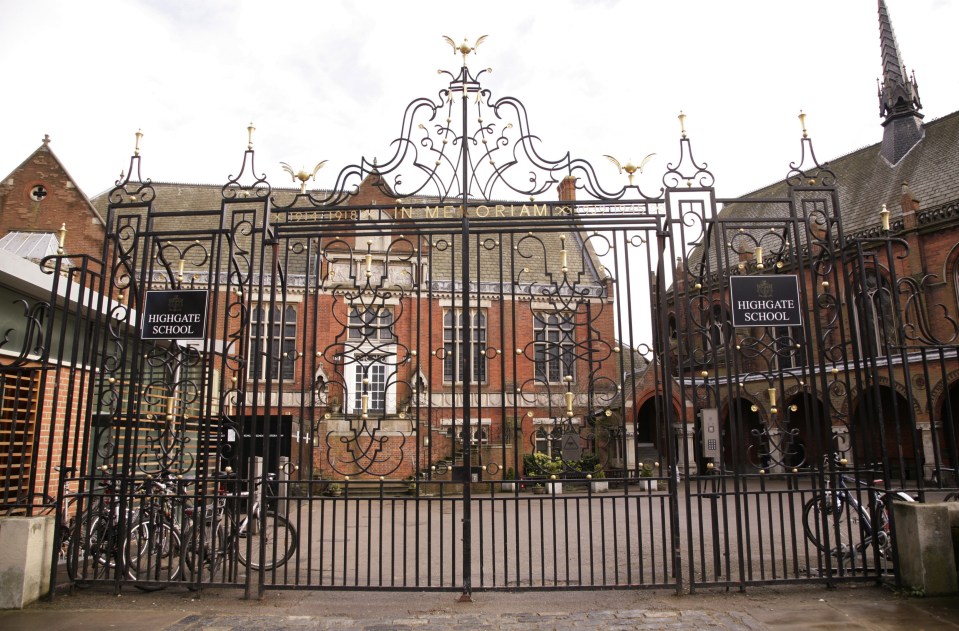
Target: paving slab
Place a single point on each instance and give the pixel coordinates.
(847, 608)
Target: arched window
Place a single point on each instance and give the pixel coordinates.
(877, 320)
(955, 281)
(720, 329)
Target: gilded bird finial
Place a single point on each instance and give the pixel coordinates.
(629, 167)
(464, 48)
(302, 175)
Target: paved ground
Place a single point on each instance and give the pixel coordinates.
(791, 608)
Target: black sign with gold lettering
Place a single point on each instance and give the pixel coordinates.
(765, 300)
(174, 314)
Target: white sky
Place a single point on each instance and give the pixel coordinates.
(330, 80)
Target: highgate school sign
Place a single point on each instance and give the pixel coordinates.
(174, 314)
(765, 300)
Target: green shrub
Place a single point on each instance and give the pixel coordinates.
(540, 464)
(588, 463)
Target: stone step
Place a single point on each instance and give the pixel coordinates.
(375, 488)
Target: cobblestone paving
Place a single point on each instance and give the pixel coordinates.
(624, 620)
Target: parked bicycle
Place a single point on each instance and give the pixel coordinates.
(151, 548)
(140, 535)
(93, 541)
(848, 520)
(223, 530)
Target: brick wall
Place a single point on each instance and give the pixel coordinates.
(61, 203)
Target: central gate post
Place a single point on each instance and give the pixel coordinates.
(467, 359)
(660, 339)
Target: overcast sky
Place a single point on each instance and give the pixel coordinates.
(330, 80)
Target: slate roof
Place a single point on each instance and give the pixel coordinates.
(539, 253)
(866, 181)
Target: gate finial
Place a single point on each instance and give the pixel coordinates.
(629, 167)
(464, 48)
(302, 175)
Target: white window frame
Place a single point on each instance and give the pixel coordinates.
(259, 366)
(373, 325)
(548, 367)
(368, 345)
(453, 345)
(353, 373)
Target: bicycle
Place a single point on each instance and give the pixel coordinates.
(151, 547)
(227, 531)
(840, 525)
(93, 546)
(140, 537)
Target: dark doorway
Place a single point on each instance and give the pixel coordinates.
(883, 432)
(808, 436)
(266, 436)
(744, 446)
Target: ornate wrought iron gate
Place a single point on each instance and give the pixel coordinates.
(405, 382)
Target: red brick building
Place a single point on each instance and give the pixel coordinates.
(41, 212)
(366, 376)
(872, 236)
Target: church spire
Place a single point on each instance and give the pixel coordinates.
(898, 96)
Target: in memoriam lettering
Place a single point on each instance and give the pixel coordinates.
(437, 212)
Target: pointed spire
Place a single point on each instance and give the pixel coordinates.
(898, 96)
(897, 93)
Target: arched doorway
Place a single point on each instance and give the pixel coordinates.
(947, 435)
(744, 444)
(891, 440)
(651, 434)
(648, 421)
(808, 432)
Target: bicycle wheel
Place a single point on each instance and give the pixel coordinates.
(66, 534)
(205, 551)
(152, 553)
(90, 551)
(842, 529)
(882, 526)
(279, 542)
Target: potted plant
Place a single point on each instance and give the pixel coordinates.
(509, 484)
(411, 485)
(335, 489)
(645, 476)
(334, 404)
(598, 482)
(540, 465)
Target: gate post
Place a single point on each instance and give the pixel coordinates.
(255, 473)
(256, 490)
(467, 324)
(661, 344)
(282, 477)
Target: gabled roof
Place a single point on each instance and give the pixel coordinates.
(45, 148)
